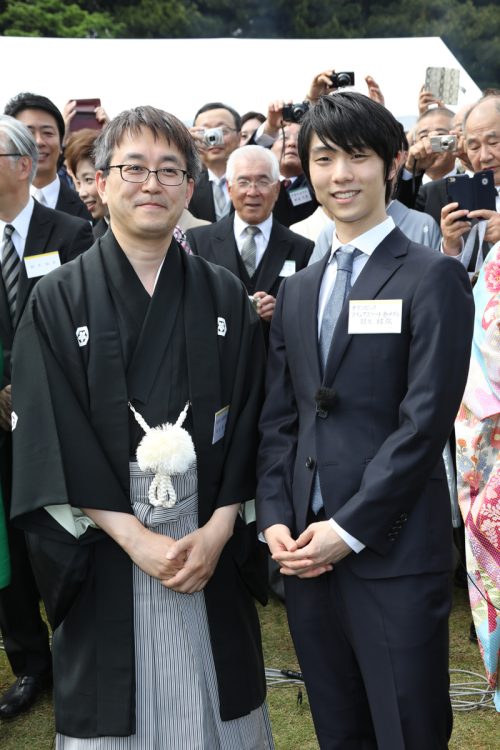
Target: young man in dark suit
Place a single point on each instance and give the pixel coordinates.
(34, 239)
(253, 182)
(46, 123)
(363, 387)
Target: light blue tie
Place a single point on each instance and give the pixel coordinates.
(345, 258)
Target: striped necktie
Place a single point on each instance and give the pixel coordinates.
(11, 265)
(345, 258)
(249, 250)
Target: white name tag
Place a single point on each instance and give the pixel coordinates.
(288, 269)
(220, 422)
(300, 196)
(39, 265)
(375, 316)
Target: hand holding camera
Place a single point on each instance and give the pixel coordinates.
(206, 138)
(326, 82)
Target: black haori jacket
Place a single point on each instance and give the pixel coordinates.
(71, 446)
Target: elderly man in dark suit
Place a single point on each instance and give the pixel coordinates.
(34, 240)
(250, 242)
(46, 123)
(481, 129)
(363, 386)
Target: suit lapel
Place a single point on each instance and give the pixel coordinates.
(309, 293)
(272, 261)
(382, 264)
(224, 247)
(37, 242)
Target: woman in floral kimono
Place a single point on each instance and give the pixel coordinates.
(478, 467)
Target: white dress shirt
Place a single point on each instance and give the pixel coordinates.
(367, 243)
(261, 238)
(50, 192)
(21, 225)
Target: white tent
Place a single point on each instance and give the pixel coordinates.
(180, 75)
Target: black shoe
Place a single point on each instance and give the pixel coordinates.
(23, 694)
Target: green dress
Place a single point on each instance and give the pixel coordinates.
(4, 547)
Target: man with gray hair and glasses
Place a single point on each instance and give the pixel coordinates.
(34, 240)
(150, 368)
(250, 242)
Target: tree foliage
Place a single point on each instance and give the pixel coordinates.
(55, 18)
(471, 28)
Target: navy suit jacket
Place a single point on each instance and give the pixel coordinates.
(216, 243)
(378, 451)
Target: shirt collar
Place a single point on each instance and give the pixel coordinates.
(265, 227)
(21, 222)
(50, 191)
(213, 177)
(368, 241)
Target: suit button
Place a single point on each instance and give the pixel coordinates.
(309, 463)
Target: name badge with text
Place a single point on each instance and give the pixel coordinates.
(220, 422)
(300, 196)
(289, 268)
(39, 265)
(375, 316)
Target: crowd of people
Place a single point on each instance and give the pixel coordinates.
(233, 355)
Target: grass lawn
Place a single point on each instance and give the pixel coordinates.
(292, 725)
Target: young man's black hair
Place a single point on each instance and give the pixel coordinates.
(27, 100)
(351, 121)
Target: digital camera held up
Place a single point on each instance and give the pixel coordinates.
(340, 80)
(441, 144)
(213, 137)
(295, 112)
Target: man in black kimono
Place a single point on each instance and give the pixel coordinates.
(138, 321)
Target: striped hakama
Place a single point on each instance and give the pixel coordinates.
(177, 703)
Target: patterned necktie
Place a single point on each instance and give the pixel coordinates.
(345, 258)
(11, 265)
(220, 199)
(249, 250)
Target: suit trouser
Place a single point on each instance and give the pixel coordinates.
(374, 654)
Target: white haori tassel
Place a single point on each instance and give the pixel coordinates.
(166, 450)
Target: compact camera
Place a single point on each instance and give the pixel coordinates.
(340, 80)
(441, 144)
(213, 137)
(295, 112)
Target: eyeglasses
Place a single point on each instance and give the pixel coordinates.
(169, 176)
(263, 184)
(10, 154)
